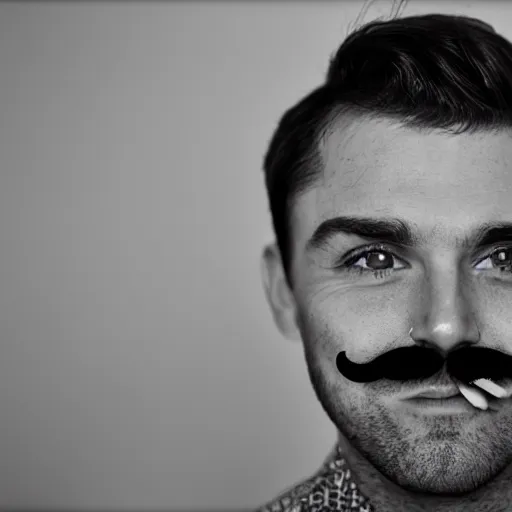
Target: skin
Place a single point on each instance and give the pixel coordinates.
(444, 186)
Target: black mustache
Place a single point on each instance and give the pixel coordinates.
(411, 363)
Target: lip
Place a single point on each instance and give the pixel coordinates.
(437, 392)
(443, 406)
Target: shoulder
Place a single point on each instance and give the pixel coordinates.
(295, 497)
(291, 500)
(331, 488)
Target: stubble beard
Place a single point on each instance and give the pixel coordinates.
(444, 463)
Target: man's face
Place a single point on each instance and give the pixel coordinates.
(444, 187)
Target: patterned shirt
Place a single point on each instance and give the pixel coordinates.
(331, 488)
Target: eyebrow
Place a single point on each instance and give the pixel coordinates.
(398, 232)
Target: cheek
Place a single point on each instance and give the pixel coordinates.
(341, 398)
(362, 320)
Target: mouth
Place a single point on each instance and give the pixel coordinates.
(441, 406)
(453, 398)
(439, 393)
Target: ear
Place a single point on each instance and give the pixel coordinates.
(279, 296)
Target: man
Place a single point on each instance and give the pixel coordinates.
(390, 188)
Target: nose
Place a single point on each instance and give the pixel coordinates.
(444, 317)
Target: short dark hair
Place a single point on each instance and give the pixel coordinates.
(445, 72)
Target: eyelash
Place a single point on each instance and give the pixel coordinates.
(346, 265)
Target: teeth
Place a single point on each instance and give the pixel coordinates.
(474, 397)
(492, 388)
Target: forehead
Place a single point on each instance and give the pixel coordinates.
(435, 181)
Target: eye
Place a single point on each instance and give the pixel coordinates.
(375, 260)
(500, 258)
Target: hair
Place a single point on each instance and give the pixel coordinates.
(430, 72)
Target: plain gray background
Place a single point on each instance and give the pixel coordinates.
(140, 367)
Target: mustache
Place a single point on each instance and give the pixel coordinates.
(412, 363)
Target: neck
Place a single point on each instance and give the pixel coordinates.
(386, 496)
